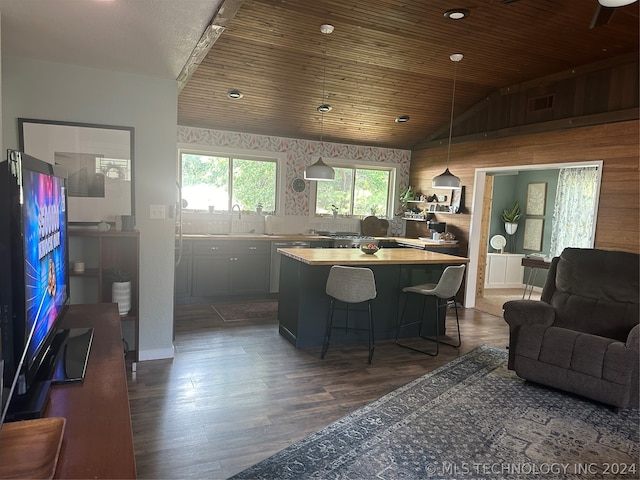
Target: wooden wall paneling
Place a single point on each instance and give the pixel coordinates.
(616, 144)
(596, 83)
(484, 234)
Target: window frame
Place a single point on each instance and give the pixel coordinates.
(358, 164)
(239, 154)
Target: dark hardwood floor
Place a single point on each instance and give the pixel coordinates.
(237, 392)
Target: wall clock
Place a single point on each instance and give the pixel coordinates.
(298, 185)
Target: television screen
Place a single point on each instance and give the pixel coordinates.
(34, 279)
(45, 238)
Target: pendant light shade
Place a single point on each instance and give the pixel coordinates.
(447, 179)
(616, 3)
(320, 171)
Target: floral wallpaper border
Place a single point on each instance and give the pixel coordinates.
(298, 155)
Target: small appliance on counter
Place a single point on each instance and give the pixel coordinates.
(436, 229)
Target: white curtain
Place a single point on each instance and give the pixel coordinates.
(573, 214)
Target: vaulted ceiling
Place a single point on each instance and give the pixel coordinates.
(388, 58)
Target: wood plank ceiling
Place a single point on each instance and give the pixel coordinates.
(386, 58)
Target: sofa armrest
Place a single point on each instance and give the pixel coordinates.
(525, 312)
(528, 312)
(633, 339)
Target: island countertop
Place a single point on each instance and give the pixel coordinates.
(384, 256)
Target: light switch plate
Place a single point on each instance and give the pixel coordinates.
(158, 212)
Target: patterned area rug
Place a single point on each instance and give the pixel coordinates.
(235, 312)
(470, 419)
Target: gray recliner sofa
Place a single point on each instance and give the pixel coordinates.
(583, 335)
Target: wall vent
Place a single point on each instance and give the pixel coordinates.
(538, 104)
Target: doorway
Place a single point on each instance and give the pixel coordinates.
(478, 242)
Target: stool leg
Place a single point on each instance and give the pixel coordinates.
(421, 322)
(372, 344)
(455, 306)
(327, 334)
(404, 307)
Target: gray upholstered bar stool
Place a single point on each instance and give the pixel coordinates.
(444, 291)
(350, 285)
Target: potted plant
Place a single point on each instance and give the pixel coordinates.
(405, 196)
(334, 210)
(511, 218)
(121, 290)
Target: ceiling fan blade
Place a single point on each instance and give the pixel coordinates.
(602, 16)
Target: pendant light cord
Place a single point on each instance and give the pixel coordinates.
(453, 99)
(324, 92)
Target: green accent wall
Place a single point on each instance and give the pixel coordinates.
(508, 188)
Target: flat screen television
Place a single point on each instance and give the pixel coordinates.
(34, 280)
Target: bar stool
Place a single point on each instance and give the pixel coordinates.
(446, 290)
(350, 285)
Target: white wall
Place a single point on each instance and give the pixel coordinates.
(51, 91)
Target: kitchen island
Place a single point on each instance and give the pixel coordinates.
(303, 303)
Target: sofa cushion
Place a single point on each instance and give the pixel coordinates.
(603, 274)
(597, 292)
(597, 357)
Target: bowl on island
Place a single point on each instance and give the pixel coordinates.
(370, 248)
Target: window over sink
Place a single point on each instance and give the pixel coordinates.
(218, 182)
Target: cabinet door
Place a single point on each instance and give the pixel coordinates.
(497, 270)
(182, 283)
(182, 278)
(210, 275)
(515, 270)
(250, 267)
(250, 274)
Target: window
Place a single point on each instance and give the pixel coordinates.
(221, 181)
(356, 191)
(573, 213)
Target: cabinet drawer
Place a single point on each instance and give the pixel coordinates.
(253, 248)
(212, 248)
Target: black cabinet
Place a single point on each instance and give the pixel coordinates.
(250, 267)
(229, 268)
(182, 282)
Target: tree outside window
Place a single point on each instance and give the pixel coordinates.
(355, 191)
(223, 181)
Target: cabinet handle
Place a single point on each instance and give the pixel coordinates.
(214, 248)
(253, 248)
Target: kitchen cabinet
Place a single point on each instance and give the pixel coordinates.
(504, 270)
(101, 253)
(230, 268)
(182, 282)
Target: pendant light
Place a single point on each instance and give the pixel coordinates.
(320, 171)
(616, 3)
(447, 179)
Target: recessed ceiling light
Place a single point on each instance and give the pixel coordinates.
(402, 119)
(234, 94)
(326, 28)
(324, 108)
(456, 14)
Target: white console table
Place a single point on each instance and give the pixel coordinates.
(504, 270)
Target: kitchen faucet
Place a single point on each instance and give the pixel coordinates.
(239, 211)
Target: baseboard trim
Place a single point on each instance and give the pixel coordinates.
(158, 354)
